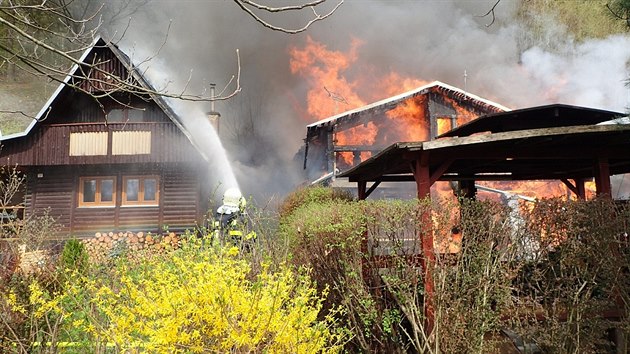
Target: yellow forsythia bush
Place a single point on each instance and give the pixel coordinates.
(208, 301)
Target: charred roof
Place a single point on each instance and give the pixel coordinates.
(480, 104)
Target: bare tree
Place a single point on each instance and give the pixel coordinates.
(46, 37)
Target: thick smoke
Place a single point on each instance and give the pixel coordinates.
(264, 126)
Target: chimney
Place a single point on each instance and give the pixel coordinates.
(213, 116)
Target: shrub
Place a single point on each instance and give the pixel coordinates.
(548, 274)
(328, 237)
(578, 275)
(207, 300)
(74, 257)
(313, 194)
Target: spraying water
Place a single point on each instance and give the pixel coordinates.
(202, 133)
(206, 139)
(220, 175)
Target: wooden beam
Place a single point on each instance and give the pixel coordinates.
(372, 188)
(577, 187)
(524, 134)
(358, 148)
(438, 172)
(397, 178)
(570, 185)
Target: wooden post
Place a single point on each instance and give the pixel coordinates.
(602, 178)
(578, 188)
(330, 151)
(581, 189)
(422, 176)
(356, 158)
(361, 192)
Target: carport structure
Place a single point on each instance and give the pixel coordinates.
(553, 142)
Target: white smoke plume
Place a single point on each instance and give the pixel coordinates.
(428, 40)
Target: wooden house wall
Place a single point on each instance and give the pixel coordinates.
(181, 205)
(103, 71)
(53, 192)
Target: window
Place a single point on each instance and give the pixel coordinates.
(140, 190)
(97, 191)
(124, 115)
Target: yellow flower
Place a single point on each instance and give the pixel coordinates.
(233, 251)
(13, 303)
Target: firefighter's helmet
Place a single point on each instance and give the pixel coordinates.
(233, 201)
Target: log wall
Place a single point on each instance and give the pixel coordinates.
(180, 207)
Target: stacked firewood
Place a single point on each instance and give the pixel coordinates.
(33, 260)
(108, 245)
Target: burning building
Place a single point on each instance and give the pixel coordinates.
(336, 144)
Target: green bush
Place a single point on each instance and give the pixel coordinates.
(74, 257)
(307, 195)
(329, 237)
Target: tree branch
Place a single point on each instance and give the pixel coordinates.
(243, 4)
(491, 12)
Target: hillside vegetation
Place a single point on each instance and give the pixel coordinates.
(580, 19)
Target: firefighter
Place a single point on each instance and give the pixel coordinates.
(231, 222)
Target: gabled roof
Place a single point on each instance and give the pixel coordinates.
(435, 86)
(549, 116)
(126, 61)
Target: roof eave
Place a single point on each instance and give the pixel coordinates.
(43, 111)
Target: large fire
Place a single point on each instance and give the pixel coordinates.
(340, 82)
(324, 70)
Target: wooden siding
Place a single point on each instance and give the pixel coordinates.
(87, 221)
(102, 69)
(140, 219)
(180, 204)
(50, 145)
(181, 199)
(52, 191)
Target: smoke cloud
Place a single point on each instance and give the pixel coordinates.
(263, 127)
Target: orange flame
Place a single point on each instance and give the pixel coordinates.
(324, 70)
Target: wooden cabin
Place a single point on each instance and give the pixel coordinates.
(338, 143)
(120, 162)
